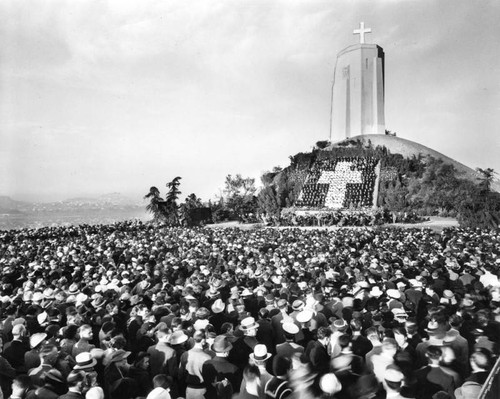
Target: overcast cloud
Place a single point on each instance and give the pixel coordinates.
(106, 96)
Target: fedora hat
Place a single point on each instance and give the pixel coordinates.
(248, 323)
(246, 292)
(84, 361)
(54, 375)
(37, 339)
(376, 291)
(218, 306)
(73, 289)
(178, 337)
(221, 344)
(119, 355)
(394, 294)
(260, 353)
(98, 301)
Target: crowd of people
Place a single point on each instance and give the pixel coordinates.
(133, 310)
(340, 183)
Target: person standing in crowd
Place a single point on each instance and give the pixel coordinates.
(222, 378)
(15, 350)
(191, 366)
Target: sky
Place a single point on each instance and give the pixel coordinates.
(117, 96)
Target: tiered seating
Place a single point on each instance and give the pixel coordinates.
(340, 183)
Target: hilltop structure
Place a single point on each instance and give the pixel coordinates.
(358, 90)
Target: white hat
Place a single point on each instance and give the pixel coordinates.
(248, 323)
(260, 353)
(290, 328)
(218, 306)
(393, 375)
(376, 291)
(330, 384)
(37, 339)
(392, 293)
(304, 316)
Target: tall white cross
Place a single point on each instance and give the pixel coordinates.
(361, 32)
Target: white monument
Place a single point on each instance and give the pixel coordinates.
(358, 90)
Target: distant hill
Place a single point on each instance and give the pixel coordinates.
(10, 206)
(113, 201)
(408, 148)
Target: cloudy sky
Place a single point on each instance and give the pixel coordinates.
(116, 96)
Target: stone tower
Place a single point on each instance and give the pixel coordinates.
(358, 90)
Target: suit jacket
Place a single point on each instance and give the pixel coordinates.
(288, 349)
(72, 395)
(14, 353)
(318, 356)
(163, 360)
(216, 370)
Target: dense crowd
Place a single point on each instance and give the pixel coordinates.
(135, 311)
(340, 183)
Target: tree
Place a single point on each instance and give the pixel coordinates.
(156, 204)
(171, 206)
(239, 197)
(485, 179)
(187, 208)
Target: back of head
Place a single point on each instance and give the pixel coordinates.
(75, 377)
(162, 381)
(281, 365)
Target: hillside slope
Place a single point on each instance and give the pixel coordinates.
(408, 148)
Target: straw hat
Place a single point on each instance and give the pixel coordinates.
(248, 323)
(260, 353)
(84, 361)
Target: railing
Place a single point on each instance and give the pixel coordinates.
(491, 387)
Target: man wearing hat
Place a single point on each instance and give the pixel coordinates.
(32, 358)
(53, 387)
(244, 345)
(48, 355)
(289, 347)
(276, 321)
(116, 369)
(222, 378)
(218, 317)
(76, 385)
(163, 358)
(259, 358)
(393, 382)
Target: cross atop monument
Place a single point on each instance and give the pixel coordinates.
(361, 32)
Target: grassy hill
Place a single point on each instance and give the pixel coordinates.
(408, 148)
